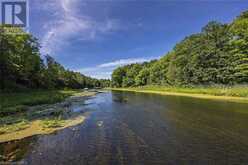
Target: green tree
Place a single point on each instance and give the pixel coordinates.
(20, 60)
(239, 47)
(131, 72)
(117, 77)
(143, 77)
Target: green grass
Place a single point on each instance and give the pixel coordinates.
(235, 91)
(12, 103)
(17, 114)
(14, 127)
(53, 123)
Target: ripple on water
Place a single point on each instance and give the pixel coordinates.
(145, 129)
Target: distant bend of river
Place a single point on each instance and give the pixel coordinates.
(135, 128)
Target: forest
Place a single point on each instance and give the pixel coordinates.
(22, 67)
(218, 55)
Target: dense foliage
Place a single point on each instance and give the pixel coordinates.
(217, 55)
(21, 67)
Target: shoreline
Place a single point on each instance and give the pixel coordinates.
(47, 121)
(194, 95)
(35, 128)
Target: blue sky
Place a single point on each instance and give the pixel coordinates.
(96, 36)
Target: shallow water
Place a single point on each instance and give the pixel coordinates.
(135, 128)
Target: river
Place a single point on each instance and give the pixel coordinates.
(135, 128)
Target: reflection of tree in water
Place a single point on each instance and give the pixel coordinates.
(15, 150)
(120, 98)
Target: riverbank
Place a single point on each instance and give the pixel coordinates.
(41, 112)
(234, 94)
(18, 102)
(38, 128)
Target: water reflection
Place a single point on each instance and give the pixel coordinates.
(15, 151)
(132, 128)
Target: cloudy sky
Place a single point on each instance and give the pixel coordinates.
(96, 36)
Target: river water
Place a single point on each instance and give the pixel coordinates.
(134, 128)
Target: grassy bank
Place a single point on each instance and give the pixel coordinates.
(12, 103)
(39, 112)
(236, 93)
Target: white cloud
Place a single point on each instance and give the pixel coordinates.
(67, 23)
(66, 5)
(105, 70)
(125, 62)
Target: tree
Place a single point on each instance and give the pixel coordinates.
(143, 77)
(131, 72)
(158, 71)
(239, 47)
(117, 77)
(216, 55)
(20, 61)
(21, 66)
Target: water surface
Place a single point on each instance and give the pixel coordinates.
(136, 128)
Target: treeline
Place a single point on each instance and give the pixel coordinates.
(216, 55)
(21, 67)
